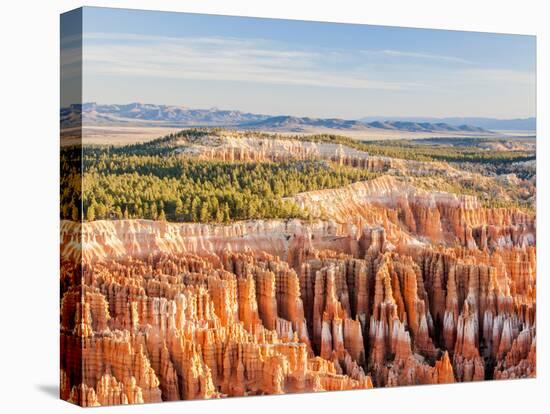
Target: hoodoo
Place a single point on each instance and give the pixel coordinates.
(423, 288)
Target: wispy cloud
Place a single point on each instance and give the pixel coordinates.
(394, 78)
(422, 56)
(229, 59)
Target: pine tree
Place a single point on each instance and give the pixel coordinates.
(204, 214)
(154, 211)
(162, 216)
(90, 213)
(179, 207)
(219, 215)
(100, 211)
(226, 214)
(195, 209)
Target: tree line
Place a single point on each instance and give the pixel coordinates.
(116, 186)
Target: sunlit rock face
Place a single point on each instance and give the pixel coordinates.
(394, 286)
(410, 214)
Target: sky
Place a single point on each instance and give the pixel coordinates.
(289, 67)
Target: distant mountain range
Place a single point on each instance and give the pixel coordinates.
(292, 123)
(163, 114)
(138, 114)
(286, 122)
(518, 124)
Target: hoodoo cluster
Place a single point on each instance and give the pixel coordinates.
(395, 286)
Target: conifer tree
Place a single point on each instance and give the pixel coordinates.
(204, 214)
(90, 213)
(162, 216)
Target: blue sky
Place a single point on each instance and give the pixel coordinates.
(304, 68)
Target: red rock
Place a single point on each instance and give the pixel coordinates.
(398, 286)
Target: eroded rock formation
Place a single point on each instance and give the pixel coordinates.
(394, 286)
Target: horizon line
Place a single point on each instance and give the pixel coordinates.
(305, 116)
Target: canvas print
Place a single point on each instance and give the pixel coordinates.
(259, 206)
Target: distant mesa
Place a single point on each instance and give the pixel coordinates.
(495, 124)
(297, 123)
(424, 126)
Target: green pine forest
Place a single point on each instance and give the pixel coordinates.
(150, 181)
(168, 187)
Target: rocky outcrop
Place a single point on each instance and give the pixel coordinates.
(230, 147)
(173, 327)
(106, 239)
(410, 214)
(397, 286)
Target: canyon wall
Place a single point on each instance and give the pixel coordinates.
(410, 214)
(230, 148)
